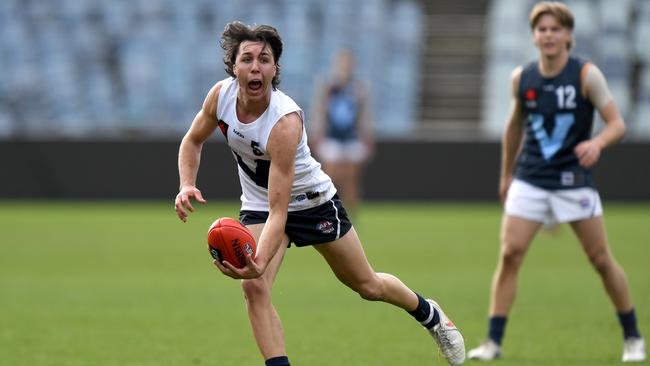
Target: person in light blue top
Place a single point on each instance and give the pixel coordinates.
(341, 128)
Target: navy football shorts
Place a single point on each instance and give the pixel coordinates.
(321, 224)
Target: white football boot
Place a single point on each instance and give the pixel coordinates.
(487, 351)
(448, 337)
(634, 350)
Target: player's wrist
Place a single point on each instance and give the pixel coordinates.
(261, 261)
(186, 186)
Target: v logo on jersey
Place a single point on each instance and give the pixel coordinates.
(551, 145)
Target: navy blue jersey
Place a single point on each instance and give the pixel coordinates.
(342, 112)
(557, 118)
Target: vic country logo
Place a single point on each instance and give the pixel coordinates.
(325, 227)
(550, 145)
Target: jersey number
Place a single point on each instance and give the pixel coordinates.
(551, 145)
(566, 97)
(261, 173)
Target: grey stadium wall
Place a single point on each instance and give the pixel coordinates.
(449, 171)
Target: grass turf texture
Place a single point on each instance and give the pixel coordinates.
(128, 284)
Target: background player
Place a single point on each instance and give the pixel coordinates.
(552, 116)
(341, 128)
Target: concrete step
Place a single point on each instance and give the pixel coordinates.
(452, 63)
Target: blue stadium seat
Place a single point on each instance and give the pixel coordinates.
(136, 66)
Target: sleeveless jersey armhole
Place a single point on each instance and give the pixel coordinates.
(515, 81)
(598, 92)
(583, 79)
(225, 85)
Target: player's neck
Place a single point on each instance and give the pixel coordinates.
(249, 110)
(551, 66)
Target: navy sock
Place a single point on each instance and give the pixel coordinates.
(423, 313)
(628, 322)
(497, 328)
(278, 361)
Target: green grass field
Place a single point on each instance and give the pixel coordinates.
(127, 284)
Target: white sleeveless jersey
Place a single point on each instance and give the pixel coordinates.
(311, 186)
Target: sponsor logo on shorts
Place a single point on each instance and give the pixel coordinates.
(584, 202)
(325, 227)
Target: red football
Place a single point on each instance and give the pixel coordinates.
(231, 241)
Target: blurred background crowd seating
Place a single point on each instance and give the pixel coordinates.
(439, 70)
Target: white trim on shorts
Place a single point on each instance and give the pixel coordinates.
(338, 221)
(552, 206)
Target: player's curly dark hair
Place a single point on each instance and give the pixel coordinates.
(237, 32)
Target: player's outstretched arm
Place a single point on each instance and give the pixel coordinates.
(512, 137)
(596, 90)
(282, 146)
(189, 154)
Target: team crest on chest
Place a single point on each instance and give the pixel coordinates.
(530, 96)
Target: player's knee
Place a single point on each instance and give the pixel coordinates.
(255, 290)
(600, 261)
(371, 290)
(512, 254)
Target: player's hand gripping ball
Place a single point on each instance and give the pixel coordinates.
(231, 241)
